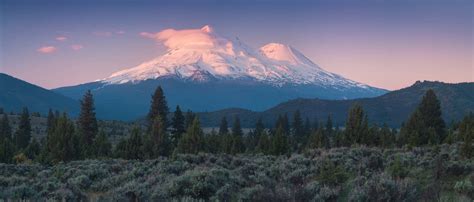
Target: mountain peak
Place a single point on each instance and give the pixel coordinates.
(213, 56)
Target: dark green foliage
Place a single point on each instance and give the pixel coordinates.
(397, 169)
(159, 140)
(223, 127)
(5, 128)
(425, 125)
(189, 118)
(23, 134)
(237, 137)
(317, 139)
(356, 126)
(87, 124)
(331, 174)
(466, 133)
(102, 146)
(134, 145)
(280, 144)
(7, 150)
(213, 142)
(192, 140)
(159, 106)
(63, 144)
(33, 149)
(178, 125)
(298, 129)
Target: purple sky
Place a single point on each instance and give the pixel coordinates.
(387, 44)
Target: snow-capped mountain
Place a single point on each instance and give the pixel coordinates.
(202, 70)
(194, 53)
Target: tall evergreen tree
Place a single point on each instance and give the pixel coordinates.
(63, 143)
(23, 134)
(159, 138)
(280, 142)
(298, 137)
(223, 128)
(5, 128)
(159, 106)
(102, 146)
(134, 145)
(87, 124)
(192, 140)
(430, 109)
(329, 126)
(254, 136)
(189, 118)
(317, 139)
(466, 133)
(237, 136)
(356, 125)
(50, 121)
(177, 124)
(425, 125)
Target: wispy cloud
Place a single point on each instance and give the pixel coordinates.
(61, 38)
(103, 34)
(47, 49)
(77, 47)
(120, 32)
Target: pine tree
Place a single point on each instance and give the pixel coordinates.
(317, 139)
(430, 109)
(280, 142)
(298, 137)
(466, 133)
(387, 138)
(50, 121)
(159, 139)
(356, 125)
(33, 149)
(87, 124)
(188, 119)
(329, 126)
(264, 143)
(23, 134)
(254, 136)
(177, 124)
(223, 128)
(213, 142)
(63, 143)
(425, 125)
(307, 128)
(134, 145)
(103, 148)
(7, 150)
(192, 140)
(159, 106)
(5, 128)
(237, 135)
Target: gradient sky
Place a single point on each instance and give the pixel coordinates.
(383, 43)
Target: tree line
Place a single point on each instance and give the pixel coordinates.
(162, 135)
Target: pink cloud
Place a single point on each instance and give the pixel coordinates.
(171, 38)
(103, 34)
(47, 49)
(120, 32)
(61, 38)
(77, 47)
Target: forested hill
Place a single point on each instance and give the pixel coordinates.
(16, 94)
(392, 108)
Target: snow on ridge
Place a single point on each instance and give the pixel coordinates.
(204, 51)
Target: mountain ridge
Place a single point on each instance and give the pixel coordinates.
(393, 108)
(16, 94)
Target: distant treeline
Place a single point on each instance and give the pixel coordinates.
(67, 140)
